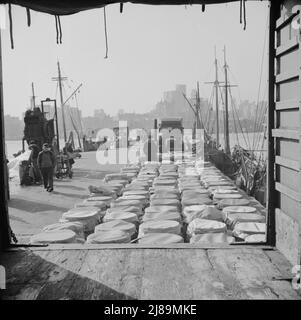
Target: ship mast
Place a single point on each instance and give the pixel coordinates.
(33, 96)
(226, 122)
(216, 85)
(60, 79)
(198, 107)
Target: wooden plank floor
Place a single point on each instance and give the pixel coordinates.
(238, 273)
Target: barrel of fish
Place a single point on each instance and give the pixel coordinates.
(88, 216)
(159, 226)
(106, 237)
(249, 228)
(125, 216)
(116, 176)
(221, 196)
(126, 202)
(54, 236)
(74, 226)
(134, 209)
(195, 192)
(105, 199)
(213, 189)
(136, 192)
(164, 195)
(231, 219)
(212, 238)
(224, 191)
(161, 238)
(115, 186)
(163, 209)
(121, 225)
(167, 182)
(103, 190)
(232, 202)
(191, 213)
(96, 204)
(166, 202)
(239, 209)
(194, 199)
(159, 215)
(198, 226)
(256, 238)
(163, 190)
(141, 198)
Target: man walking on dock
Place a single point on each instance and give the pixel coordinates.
(46, 163)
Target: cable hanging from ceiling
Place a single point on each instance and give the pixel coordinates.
(243, 13)
(58, 28)
(10, 26)
(106, 32)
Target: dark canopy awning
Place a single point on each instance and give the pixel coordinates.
(65, 7)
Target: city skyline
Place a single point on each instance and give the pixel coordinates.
(145, 58)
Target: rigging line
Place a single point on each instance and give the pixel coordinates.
(242, 131)
(240, 102)
(259, 120)
(209, 108)
(56, 89)
(262, 121)
(259, 126)
(261, 69)
(235, 126)
(246, 132)
(28, 17)
(106, 32)
(11, 26)
(60, 28)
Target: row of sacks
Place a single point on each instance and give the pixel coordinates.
(85, 217)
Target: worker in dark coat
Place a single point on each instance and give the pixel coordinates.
(46, 163)
(33, 160)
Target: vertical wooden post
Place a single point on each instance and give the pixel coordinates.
(4, 220)
(271, 192)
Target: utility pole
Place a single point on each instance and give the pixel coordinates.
(60, 79)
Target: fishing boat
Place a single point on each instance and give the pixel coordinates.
(246, 167)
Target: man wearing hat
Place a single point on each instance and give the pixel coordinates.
(46, 163)
(33, 159)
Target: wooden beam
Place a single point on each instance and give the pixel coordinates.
(288, 104)
(288, 192)
(271, 193)
(287, 47)
(4, 220)
(286, 134)
(281, 23)
(288, 163)
(136, 246)
(287, 76)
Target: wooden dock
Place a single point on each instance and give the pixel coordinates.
(139, 273)
(129, 271)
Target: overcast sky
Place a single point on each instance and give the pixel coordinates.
(151, 49)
